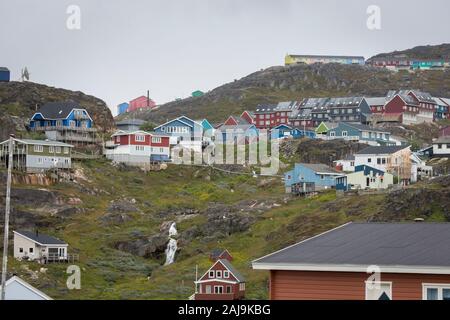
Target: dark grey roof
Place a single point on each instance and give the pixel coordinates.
(4, 69)
(376, 101)
(40, 238)
(217, 252)
(57, 110)
(265, 108)
(364, 127)
(381, 149)
(239, 277)
(404, 244)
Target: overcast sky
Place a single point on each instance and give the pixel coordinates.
(173, 47)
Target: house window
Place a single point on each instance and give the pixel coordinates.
(241, 286)
(66, 150)
(211, 274)
(228, 289)
(156, 139)
(226, 274)
(219, 274)
(140, 138)
(381, 290)
(21, 250)
(208, 290)
(218, 289)
(31, 250)
(51, 149)
(369, 160)
(322, 177)
(378, 160)
(332, 133)
(58, 149)
(436, 291)
(38, 148)
(344, 133)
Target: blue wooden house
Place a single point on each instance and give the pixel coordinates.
(184, 131)
(242, 133)
(284, 130)
(359, 132)
(64, 121)
(310, 177)
(4, 74)
(122, 108)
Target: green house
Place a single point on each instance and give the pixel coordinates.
(37, 155)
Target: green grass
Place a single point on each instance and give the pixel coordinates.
(111, 274)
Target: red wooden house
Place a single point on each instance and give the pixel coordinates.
(141, 102)
(218, 254)
(221, 282)
(357, 261)
(401, 108)
(234, 121)
(138, 147)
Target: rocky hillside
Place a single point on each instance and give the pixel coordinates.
(19, 100)
(421, 52)
(293, 83)
(116, 218)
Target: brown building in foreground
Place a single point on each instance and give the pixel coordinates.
(413, 260)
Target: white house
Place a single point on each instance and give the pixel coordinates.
(441, 147)
(39, 247)
(366, 177)
(393, 159)
(347, 164)
(18, 289)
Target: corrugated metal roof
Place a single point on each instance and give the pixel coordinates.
(239, 277)
(404, 244)
(319, 167)
(57, 110)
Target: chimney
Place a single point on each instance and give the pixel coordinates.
(37, 233)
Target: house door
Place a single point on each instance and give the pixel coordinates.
(367, 181)
(53, 253)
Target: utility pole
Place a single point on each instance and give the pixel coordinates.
(7, 211)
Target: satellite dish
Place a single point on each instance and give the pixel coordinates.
(25, 75)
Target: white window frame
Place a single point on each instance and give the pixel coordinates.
(219, 274)
(38, 148)
(344, 133)
(217, 291)
(381, 283)
(438, 286)
(226, 274)
(211, 274)
(51, 149)
(139, 137)
(58, 149)
(242, 286)
(156, 139)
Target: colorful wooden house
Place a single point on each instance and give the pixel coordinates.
(323, 128)
(197, 93)
(359, 132)
(5, 74)
(122, 107)
(241, 133)
(218, 254)
(221, 282)
(427, 105)
(310, 177)
(311, 59)
(364, 261)
(138, 147)
(285, 131)
(269, 116)
(130, 124)
(248, 116)
(402, 108)
(37, 156)
(392, 159)
(367, 177)
(184, 132)
(64, 121)
(444, 132)
(442, 110)
(141, 102)
(441, 147)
